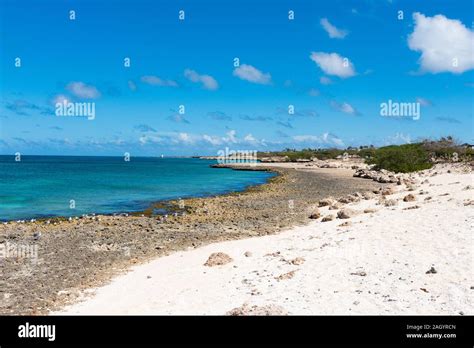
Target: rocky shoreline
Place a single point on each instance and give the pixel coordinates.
(398, 249)
(76, 255)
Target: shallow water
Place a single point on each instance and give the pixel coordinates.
(40, 186)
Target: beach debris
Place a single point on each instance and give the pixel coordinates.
(468, 187)
(297, 261)
(255, 292)
(432, 270)
(349, 199)
(382, 176)
(388, 191)
(346, 213)
(469, 202)
(368, 195)
(36, 235)
(285, 276)
(326, 202)
(359, 273)
(248, 254)
(316, 214)
(246, 309)
(369, 210)
(218, 259)
(274, 159)
(328, 218)
(424, 290)
(409, 198)
(345, 224)
(274, 254)
(390, 202)
(412, 207)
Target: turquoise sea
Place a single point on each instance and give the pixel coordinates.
(45, 186)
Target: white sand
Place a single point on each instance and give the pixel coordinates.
(394, 247)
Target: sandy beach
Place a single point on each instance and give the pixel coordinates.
(77, 255)
(407, 249)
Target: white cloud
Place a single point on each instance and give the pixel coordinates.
(306, 138)
(344, 107)
(334, 33)
(212, 139)
(185, 138)
(156, 81)
(231, 137)
(329, 138)
(178, 118)
(251, 74)
(424, 102)
(397, 139)
(325, 80)
(313, 92)
(207, 81)
(445, 44)
(61, 98)
(325, 138)
(81, 90)
(150, 138)
(188, 139)
(249, 138)
(333, 64)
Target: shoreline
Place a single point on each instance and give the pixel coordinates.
(393, 253)
(151, 204)
(174, 205)
(74, 256)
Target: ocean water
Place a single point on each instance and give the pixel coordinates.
(43, 186)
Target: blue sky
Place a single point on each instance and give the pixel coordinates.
(190, 62)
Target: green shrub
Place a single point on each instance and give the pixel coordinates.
(448, 149)
(294, 155)
(367, 153)
(401, 159)
(396, 158)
